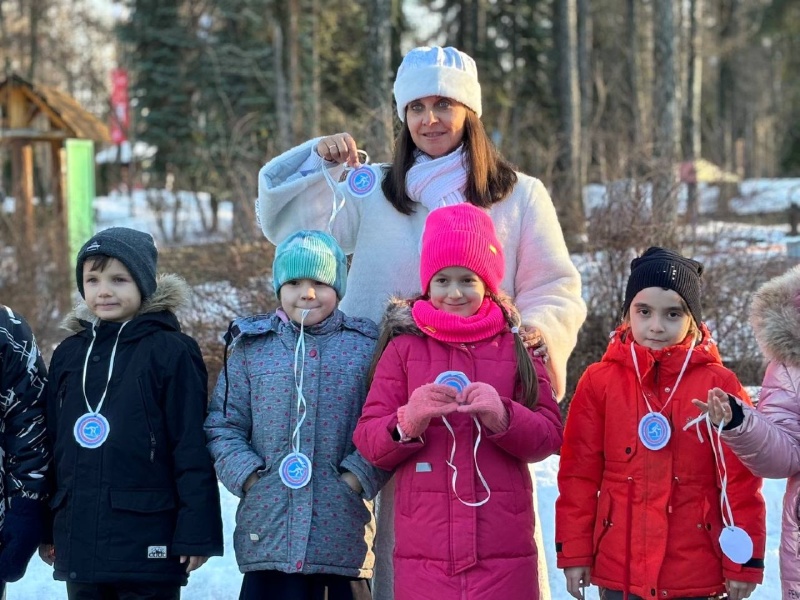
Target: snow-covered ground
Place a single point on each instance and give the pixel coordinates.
(220, 579)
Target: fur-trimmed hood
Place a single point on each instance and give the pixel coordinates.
(172, 294)
(398, 320)
(775, 318)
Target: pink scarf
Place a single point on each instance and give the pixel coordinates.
(447, 327)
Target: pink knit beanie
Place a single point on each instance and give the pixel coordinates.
(461, 236)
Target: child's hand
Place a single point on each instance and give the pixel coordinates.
(577, 579)
(351, 480)
(47, 552)
(427, 401)
(718, 407)
(250, 482)
(482, 399)
(195, 562)
(739, 590)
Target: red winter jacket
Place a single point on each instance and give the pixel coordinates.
(650, 520)
(443, 549)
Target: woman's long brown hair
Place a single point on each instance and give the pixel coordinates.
(490, 177)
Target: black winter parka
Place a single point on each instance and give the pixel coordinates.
(129, 509)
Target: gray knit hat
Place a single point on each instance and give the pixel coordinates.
(659, 267)
(134, 249)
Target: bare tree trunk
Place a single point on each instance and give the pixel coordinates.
(691, 116)
(295, 115)
(566, 189)
(729, 129)
(632, 74)
(35, 10)
(664, 117)
(310, 71)
(585, 79)
(468, 17)
(379, 93)
(281, 94)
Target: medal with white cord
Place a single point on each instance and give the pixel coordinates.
(295, 468)
(459, 381)
(654, 428)
(91, 429)
(360, 182)
(734, 541)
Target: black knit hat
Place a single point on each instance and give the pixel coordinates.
(134, 249)
(659, 267)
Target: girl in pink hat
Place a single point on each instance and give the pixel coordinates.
(457, 408)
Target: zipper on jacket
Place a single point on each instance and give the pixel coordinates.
(149, 425)
(656, 372)
(61, 393)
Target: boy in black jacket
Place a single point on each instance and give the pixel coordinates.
(25, 452)
(136, 506)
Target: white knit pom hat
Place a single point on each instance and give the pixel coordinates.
(437, 71)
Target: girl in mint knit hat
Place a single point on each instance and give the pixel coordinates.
(280, 429)
(457, 408)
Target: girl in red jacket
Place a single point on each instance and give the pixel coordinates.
(648, 507)
(457, 408)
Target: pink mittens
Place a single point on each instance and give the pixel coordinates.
(427, 401)
(483, 400)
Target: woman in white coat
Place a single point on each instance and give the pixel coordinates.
(442, 156)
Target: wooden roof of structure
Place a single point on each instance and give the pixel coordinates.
(66, 118)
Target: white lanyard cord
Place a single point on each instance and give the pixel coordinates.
(110, 369)
(336, 205)
(299, 352)
(719, 459)
(677, 381)
(474, 458)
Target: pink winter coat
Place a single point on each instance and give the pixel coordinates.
(768, 441)
(445, 550)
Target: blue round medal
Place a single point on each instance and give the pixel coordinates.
(362, 181)
(91, 430)
(295, 470)
(654, 431)
(455, 379)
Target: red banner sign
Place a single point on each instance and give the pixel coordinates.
(120, 113)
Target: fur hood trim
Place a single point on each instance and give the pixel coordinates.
(775, 318)
(172, 294)
(397, 318)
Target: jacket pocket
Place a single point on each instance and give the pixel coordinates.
(150, 430)
(712, 523)
(603, 522)
(262, 532)
(337, 475)
(142, 524)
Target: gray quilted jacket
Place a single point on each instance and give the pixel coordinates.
(324, 527)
